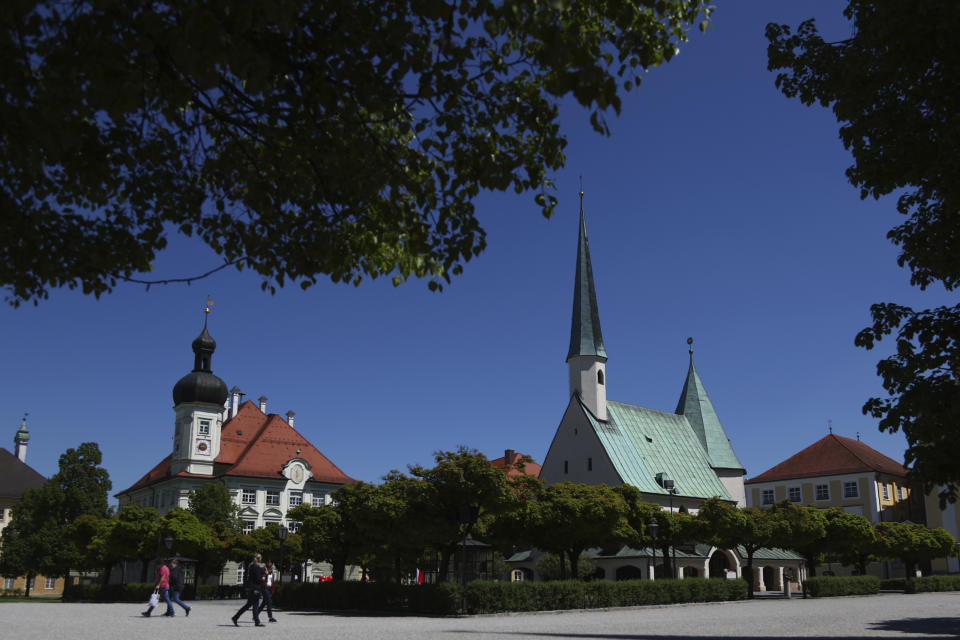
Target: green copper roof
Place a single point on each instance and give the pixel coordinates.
(22, 434)
(643, 442)
(585, 336)
(695, 405)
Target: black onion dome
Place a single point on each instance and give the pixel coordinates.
(200, 385)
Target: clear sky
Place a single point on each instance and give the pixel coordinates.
(717, 209)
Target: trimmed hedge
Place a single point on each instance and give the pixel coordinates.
(932, 583)
(892, 584)
(220, 592)
(438, 599)
(826, 586)
(132, 592)
(492, 596)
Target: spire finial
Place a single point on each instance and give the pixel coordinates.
(207, 309)
(690, 344)
(830, 426)
(581, 193)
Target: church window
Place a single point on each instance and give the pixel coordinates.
(793, 493)
(766, 496)
(823, 492)
(851, 489)
(296, 498)
(886, 491)
(249, 496)
(273, 497)
(204, 429)
(600, 377)
(589, 464)
(566, 466)
(248, 526)
(318, 500)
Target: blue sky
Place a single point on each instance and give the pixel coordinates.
(717, 209)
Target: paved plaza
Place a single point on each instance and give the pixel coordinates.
(933, 615)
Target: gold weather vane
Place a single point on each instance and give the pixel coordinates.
(207, 309)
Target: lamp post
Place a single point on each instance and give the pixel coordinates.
(653, 528)
(281, 536)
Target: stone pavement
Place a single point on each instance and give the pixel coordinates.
(935, 616)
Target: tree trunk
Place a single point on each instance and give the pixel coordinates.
(667, 562)
(339, 569)
(143, 569)
(750, 573)
(574, 564)
(106, 575)
(444, 573)
(26, 589)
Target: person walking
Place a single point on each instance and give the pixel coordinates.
(268, 590)
(176, 587)
(163, 586)
(254, 583)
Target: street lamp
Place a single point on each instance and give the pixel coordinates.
(653, 528)
(281, 536)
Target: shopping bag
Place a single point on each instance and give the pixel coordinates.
(154, 598)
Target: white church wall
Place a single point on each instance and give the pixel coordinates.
(732, 480)
(576, 454)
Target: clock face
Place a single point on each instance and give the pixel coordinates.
(203, 447)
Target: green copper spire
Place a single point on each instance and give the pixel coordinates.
(22, 434)
(696, 406)
(585, 336)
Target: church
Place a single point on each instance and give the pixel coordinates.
(676, 459)
(266, 464)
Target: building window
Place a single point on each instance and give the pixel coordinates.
(249, 496)
(793, 493)
(293, 526)
(566, 466)
(766, 496)
(318, 500)
(240, 573)
(851, 489)
(886, 491)
(248, 526)
(48, 583)
(589, 464)
(296, 498)
(600, 377)
(204, 429)
(273, 497)
(823, 492)
(903, 493)
(7, 584)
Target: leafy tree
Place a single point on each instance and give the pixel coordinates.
(912, 543)
(190, 537)
(463, 491)
(808, 531)
(212, 503)
(132, 535)
(725, 526)
(297, 138)
(892, 86)
(568, 518)
(672, 529)
(324, 534)
(852, 539)
(551, 566)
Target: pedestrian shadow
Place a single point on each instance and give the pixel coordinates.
(937, 626)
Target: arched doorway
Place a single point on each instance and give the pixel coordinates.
(719, 564)
(771, 580)
(629, 572)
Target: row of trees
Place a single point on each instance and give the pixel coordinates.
(408, 520)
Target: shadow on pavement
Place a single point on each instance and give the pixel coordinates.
(939, 626)
(667, 636)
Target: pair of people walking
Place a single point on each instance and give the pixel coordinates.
(169, 585)
(259, 584)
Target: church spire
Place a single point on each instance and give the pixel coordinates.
(21, 439)
(586, 358)
(695, 405)
(586, 338)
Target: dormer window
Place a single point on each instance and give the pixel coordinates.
(600, 377)
(204, 428)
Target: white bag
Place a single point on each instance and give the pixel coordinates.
(154, 598)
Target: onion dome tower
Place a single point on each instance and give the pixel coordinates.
(198, 400)
(20, 441)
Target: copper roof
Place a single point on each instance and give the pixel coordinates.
(254, 444)
(830, 456)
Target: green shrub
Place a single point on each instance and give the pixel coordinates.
(827, 586)
(932, 583)
(132, 592)
(220, 591)
(892, 584)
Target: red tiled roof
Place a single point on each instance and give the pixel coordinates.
(530, 468)
(253, 444)
(829, 456)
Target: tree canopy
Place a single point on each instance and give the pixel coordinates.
(297, 138)
(892, 86)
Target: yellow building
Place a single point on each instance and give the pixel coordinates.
(949, 519)
(15, 478)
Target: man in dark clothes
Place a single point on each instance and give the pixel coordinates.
(269, 588)
(176, 587)
(254, 584)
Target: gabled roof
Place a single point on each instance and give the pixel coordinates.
(16, 476)
(830, 456)
(585, 336)
(256, 445)
(696, 406)
(643, 442)
(529, 468)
